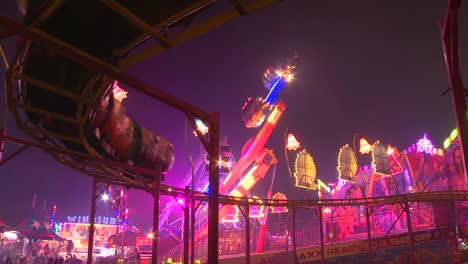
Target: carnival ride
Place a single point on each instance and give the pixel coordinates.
(65, 99)
(81, 127)
(237, 177)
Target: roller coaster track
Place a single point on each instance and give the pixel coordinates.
(371, 201)
(70, 144)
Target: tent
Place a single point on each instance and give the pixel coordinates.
(35, 228)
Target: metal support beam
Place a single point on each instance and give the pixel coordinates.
(247, 233)
(157, 182)
(186, 224)
(410, 233)
(369, 236)
(50, 8)
(62, 91)
(192, 224)
(92, 215)
(2, 143)
(322, 246)
(294, 209)
(100, 66)
(10, 157)
(197, 30)
(82, 156)
(137, 21)
(213, 198)
(449, 34)
(4, 59)
(3, 123)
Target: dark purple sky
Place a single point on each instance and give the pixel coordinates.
(369, 67)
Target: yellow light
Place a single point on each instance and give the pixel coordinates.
(451, 138)
(365, 147)
(306, 173)
(373, 161)
(292, 144)
(279, 209)
(321, 184)
(119, 93)
(447, 143)
(390, 150)
(353, 167)
(231, 218)
(274, 116)
(454, 134)
(256, 212)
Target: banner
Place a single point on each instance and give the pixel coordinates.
(78, 233)
(432, 246)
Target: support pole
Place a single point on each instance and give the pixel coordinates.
(5, 110)
(410, 232)
(186, 224)
(369, 236)
(450, 40)
(247, 233)
(92, 215)
(192, 224)
(2, 141)
(322, 246)
(213, 197)
(294, 234)
(117, 220)
(263, 224)
(157, 183)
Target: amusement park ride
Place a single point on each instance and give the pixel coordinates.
(62, 89)
(238, 177)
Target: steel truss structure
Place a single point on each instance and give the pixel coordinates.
(118, 173)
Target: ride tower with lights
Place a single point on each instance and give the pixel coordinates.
(255, 159)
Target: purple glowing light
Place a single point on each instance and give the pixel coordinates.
(181, 201)
(425, 145)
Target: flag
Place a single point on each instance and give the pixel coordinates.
(34, 201)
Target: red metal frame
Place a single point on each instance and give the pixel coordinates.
(449, 28)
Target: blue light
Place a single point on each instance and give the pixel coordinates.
(275, 89)
(207, 189)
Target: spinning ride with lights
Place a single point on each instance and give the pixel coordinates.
(255, 159)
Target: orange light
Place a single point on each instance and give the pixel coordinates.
(231, 217)
(119, 93)
(365, 147)
(292, 144)
(279, 209)
(257, 211)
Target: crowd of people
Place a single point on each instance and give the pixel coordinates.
(14, 259)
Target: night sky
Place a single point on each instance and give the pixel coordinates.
(370, 67)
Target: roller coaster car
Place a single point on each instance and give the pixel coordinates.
(101, 127)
